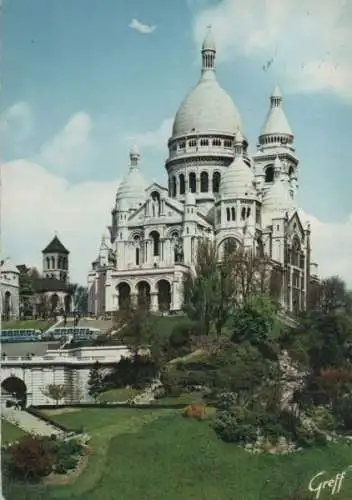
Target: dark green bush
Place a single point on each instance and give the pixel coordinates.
(235, 426)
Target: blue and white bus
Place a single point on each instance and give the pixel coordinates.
(75, 332)
(20, 335)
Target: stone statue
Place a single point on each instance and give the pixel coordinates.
(178, 249)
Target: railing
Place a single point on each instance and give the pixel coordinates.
(47, 360)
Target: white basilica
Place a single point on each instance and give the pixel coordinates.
(216, 190)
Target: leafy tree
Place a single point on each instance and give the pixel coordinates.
(254, 320)
(57, 392)
(333, 296)
(217, 287)
(95, 381)
(137, 332)
(80, 298)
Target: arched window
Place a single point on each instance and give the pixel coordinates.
(192, 182)
(156, 243)
(47, 263)
(182, 184)
(204, 142)
(216, 182)
(137, 256)
(204, 182)
(269, 174)
(243, 213)
(248, 212)
(295, 252)
(228, 215)
(192, 143)
(290, 172)
(233, 213)
(216, 142)
(227, 143)
(229, 245)
(173, 187)
(52, 263)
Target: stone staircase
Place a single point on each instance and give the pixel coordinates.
(29, 423)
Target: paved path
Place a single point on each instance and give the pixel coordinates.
(29, 423)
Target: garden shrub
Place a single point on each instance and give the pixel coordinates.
(236, 426)
(66, 463)
(31, 458)
(196, 411)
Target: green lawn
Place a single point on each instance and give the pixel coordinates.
(118, 395)
(10, 432)
(143, 454)
(24, 324)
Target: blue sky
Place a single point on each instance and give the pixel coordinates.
(67, 57)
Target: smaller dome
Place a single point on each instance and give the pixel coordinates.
(190, 199)
(8, 266)
(238, 180)
(277, 200)
(133, 186)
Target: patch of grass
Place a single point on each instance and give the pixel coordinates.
(102, 424)
(186, 460)
(37, 324)
(118, 395)
(10, 432)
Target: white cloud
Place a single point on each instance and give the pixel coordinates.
(145, 29)
(16, 122)
(331, 247)
(309, 41)
(72, 147)
(155, 138)
(36, 203)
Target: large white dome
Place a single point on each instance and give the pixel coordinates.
(237, 180)
(207, 108)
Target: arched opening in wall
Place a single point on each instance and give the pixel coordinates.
(155, 236)
(204, 182)
(216, 182)
(291, 172)
(173, 187)
(67, 303)
(164, 295)
(54, 302)
(269, 174)
(192, 182)
(229, 246)
(143, 290)
(233, 213)
(59, 262)
(182, 184)
(124, 291)
(7, 305)
(47, 263)
(52, 263)
(15, 389)
(228, 214)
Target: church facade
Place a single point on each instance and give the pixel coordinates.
(216, 190)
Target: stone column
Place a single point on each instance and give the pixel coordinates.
(116, 306)
(290, 290)
(154, 306)
(197, 183)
